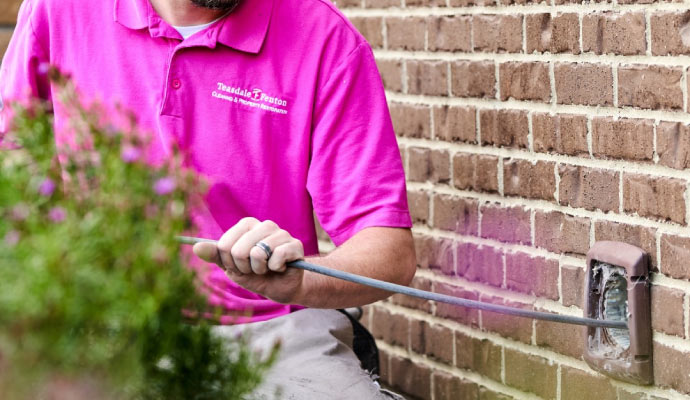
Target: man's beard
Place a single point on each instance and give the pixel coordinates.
(228, 5)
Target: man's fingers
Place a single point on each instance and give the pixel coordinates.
(227, 242)
(257, 256)
(288, 251)
(207, 252)
(243, 248)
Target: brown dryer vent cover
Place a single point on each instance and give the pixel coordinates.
(617, 288)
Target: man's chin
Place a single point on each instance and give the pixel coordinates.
(217, 4)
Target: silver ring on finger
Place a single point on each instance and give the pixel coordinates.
(266, 248)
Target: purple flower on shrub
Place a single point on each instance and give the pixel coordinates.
(20, 212)
(47, 187)
(130, 154)
(12, 238)
(57, 214)
(164, 186)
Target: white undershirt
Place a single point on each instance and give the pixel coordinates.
(187, 31)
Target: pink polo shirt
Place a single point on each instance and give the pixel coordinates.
(279, 104)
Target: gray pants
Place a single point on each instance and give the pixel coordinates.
(316, 360)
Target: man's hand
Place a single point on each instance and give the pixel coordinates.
(246, 264)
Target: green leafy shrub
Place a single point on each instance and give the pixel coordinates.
(92, 287)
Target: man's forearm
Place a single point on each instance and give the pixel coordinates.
(381, 253)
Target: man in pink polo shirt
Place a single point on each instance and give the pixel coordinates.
(280, 105)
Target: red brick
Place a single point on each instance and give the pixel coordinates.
(506, 128)
(419, 206)
(516, 328)
(488, 394)
(320, 233)
(648, 2)
(371, 29)
(608, 32)
(675, 253)
(455, 124)
(640, 236)
(670, 33)
(463, 315)
(381, 3)
(525, 81)
(414, 302)
(410, 377)
(441, 257)
(673, 144)
(561, 233)
(473, 79)
(561, 2)
(348, 3)
(507, 224)
(391, 328)
(532, 275)
(668, 315)
(465, 3)
(434, 253)
(8, 11)
(560, 34)
(534, 180)
(475, 172)
(572, 285)
(583, 83)
(656, 197)
(418, 161)
(455, 214)
(384, 366)
(5, 36)
(427, 77)
(588, 188)
(631, 139)
(671, 368)
(520, 2)
(561, 133)
(417, 341)
(480, 263)
(479, 355)
(422, 247)
(577, 385)
(391, 74)
(531, 373)
(406, 33)
(428, 165)
(650, 86)
(434, 3)
(497, 33)
(450, 33)
(561, 338)
(411, 120)
(449, 387)
(403, 154)
(438, 343)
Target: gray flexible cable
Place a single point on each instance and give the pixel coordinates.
(422, 294)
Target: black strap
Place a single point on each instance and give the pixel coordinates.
(364, 347)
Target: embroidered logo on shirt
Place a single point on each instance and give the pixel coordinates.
(251, 98)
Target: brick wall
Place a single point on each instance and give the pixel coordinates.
(528, 132)
(8, 18)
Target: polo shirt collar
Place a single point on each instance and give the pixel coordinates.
(243, 29)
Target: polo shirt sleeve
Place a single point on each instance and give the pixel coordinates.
(355, 177)
(20, 79)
